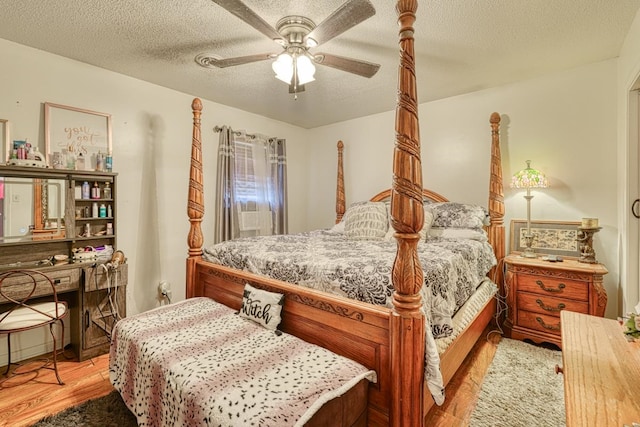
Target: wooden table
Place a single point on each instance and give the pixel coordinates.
(601, 372)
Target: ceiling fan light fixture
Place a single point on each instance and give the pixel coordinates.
(283, 67)
(305, 69)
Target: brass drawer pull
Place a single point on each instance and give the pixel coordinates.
(549, 327)
(560, 287)
(561, 306)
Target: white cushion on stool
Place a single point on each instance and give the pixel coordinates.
(25, 317)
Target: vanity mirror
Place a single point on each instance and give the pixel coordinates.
(31, 209)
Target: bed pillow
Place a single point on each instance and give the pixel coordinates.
(458, 215)
(261, 306)
(366, 221)
(459, 233)
(338, 228)
(428, 219)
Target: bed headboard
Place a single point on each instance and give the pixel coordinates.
(427, 195)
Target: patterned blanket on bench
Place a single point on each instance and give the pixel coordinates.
(197, 362)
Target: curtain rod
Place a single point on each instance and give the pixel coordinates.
(218, 129)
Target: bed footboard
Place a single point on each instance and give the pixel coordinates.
(350, 328)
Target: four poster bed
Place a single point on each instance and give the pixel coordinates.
(389, 340)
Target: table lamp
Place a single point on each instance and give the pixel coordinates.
(529, 178)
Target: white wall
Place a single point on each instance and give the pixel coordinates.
(565, 123)
(151, 149)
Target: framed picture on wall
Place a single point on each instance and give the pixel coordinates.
(83, 134)
(5, 142)
(549, 237)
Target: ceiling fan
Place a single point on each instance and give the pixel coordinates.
(297, 34)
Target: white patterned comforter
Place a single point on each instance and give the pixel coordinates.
(361, 269)
(197, 363)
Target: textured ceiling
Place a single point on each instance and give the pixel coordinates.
(461, 46)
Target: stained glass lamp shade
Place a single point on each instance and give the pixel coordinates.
(529, 178)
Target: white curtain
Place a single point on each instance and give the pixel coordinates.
(252, 196)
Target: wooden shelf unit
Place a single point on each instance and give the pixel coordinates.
(92, 314)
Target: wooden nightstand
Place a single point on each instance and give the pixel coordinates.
(538, 290)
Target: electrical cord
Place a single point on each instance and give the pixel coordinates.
(502, 307)
(112, 295)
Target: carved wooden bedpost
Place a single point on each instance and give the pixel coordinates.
(496, 202)
(340, 198)
(195, 204)
(407, 326)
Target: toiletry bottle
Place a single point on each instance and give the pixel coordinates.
(108, 162)
(103, 211)
(109, 211)
(80, 162)
(100, 162)
(106, 191)
(94, 210)
(86, 190)
(95, 191)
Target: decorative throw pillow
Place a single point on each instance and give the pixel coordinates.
(261, 306)
(366, 221)
(457, 215)
(459, 233)
(338, 228)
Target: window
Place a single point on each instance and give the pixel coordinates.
(245, 183)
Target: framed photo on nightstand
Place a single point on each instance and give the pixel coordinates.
(549, 237)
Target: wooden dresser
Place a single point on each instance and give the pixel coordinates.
(601, 372)
(537, 291)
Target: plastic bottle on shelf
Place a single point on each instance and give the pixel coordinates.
(95, 191)
(109, 211)
(108, 162)
(80, 162)
(103, 211)
(106, 191)
(95, 211)
(86, 190)
(100, 162)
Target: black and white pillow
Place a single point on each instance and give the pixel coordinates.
(458, 215)
(262, 307)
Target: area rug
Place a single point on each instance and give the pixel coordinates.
(107, 411)
(521, 388)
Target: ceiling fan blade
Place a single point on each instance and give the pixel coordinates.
(350, 65)
(210, 61)
(346, 16)
(243, 12)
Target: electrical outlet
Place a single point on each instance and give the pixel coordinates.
(164, 287)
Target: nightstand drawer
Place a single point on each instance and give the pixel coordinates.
(539, 322)
(553, 287)
(548, 305)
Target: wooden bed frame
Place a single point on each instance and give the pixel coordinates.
(390, 341)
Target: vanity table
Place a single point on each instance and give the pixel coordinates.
(46, 224)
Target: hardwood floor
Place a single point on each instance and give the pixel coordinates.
(26, 399)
